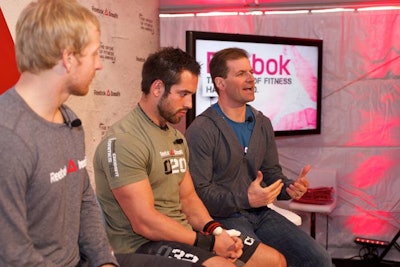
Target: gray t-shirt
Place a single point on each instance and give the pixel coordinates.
(48, 210)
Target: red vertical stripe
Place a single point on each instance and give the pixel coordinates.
(9, 73)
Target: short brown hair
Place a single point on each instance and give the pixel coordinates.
(218, 67)
(167, 65)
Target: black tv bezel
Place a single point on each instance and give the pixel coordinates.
(192, 36)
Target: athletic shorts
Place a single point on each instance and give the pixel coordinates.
(194, 254)
(144, 260)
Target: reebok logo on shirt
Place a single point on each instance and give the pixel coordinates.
(62, 172)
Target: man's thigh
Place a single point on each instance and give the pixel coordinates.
(250, 245)
(143, 260)
(194, 254)
(242, 223)
(176, 250)
(274, 230)
(266, 226)
(299, 248)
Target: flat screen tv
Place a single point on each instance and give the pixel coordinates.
(287, 71)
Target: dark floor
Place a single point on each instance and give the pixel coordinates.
(363, 263)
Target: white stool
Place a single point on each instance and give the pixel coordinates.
(291, 216)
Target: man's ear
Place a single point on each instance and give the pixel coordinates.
(219, 82)
(67, 58)
(157, 88)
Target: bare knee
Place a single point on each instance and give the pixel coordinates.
(281, 260)
(266, 256)
(218, 261)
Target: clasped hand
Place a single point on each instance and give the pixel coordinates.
(227, 246)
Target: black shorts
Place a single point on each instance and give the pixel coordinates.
(193, 254)
(143, 260)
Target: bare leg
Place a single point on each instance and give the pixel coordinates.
(266, 256)
(218, 261)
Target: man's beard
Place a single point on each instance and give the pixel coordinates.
(169, 116)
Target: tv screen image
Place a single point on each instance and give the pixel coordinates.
(287, 71)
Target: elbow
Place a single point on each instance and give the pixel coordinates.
(141, 227)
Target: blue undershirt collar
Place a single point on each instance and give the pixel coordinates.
(243, 130)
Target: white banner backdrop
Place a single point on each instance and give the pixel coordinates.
(360, 114)
(130, 32)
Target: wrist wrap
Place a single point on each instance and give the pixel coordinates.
(211, 226)
(204, 241)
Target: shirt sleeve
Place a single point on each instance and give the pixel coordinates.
(16, 248)
(93, 241)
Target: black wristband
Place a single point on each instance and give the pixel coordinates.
(211, 226)
(204, 241)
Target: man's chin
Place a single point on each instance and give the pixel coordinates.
(175, 120)
(82, 92)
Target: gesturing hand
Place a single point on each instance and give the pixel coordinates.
(262, 196)
(300, 186)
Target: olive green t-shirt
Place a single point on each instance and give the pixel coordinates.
(135, 149)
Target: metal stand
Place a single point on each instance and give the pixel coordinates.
(391, 244)
(312, 225)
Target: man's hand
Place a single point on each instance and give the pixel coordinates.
(227, 246)
(300, 186)
(262, 196)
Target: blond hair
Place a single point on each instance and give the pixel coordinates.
(46, 28)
